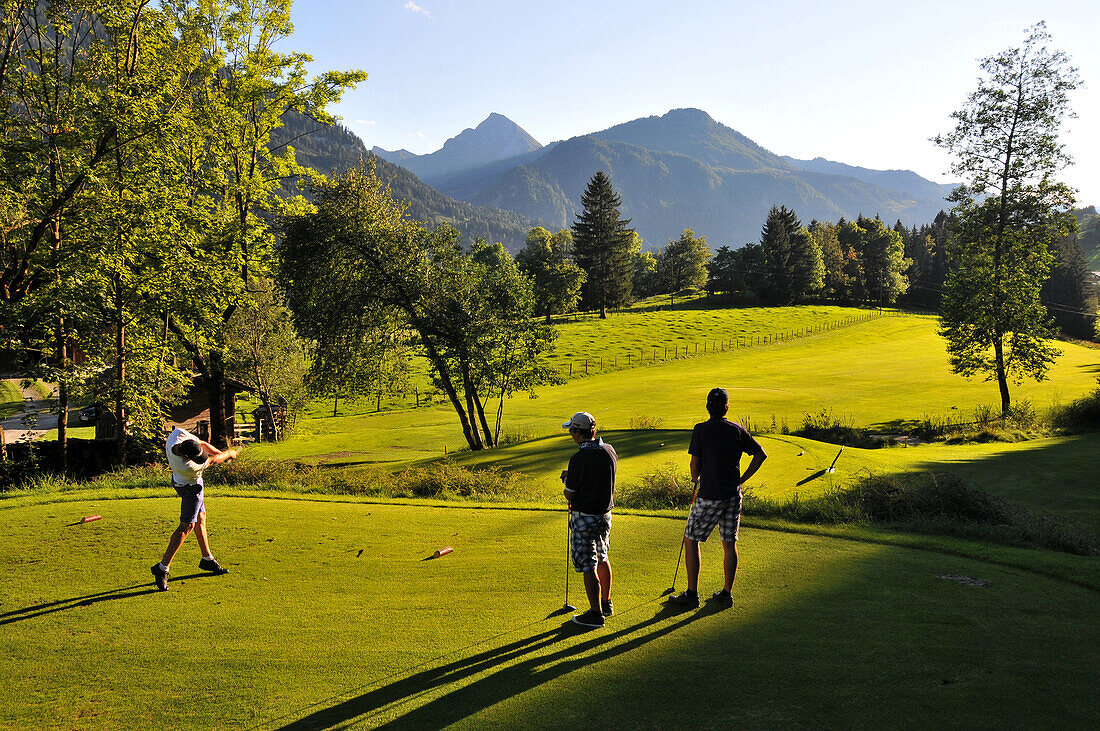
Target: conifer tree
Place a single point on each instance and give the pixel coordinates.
(602, 242)
(792, 259)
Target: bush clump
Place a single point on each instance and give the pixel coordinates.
(942, 504)
(664, 487)
(822, 426)
(1081, 415)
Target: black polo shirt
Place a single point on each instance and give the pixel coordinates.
(592, 477)
(718, 444)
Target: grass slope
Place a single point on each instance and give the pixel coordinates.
(330, 617)
(887, 370)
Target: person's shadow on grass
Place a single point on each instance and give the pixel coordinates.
(76, 602)
(509, 681)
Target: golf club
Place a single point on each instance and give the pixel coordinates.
(832, 467)
(568, 543)
(672, 589)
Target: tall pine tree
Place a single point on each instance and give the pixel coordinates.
(792, 258)
(601, 245)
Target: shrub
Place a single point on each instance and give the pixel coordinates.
(446, 480)
(646, 422)
(942, 504)
(1081, 415)
(822, 426)
(664, 487)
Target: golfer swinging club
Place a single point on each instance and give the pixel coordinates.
(590, 491)
(716, 448)
(188, 456)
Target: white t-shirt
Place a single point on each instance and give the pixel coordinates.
(184, 471)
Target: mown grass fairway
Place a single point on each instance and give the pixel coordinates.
(877, 373)
(306, 632)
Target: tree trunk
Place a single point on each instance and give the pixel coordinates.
(468, 390)
(215, 388)
(1002, 376)
(448, 386)
(63, 406)
(120, 372)
(489, 440)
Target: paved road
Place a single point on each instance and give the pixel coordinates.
(34, 421)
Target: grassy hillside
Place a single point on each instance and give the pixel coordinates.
(880, 373)
(330, 617)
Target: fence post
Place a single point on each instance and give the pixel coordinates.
(570, 369)
(586, 366)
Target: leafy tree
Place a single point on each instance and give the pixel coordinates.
(737, 270)
(792, 259)
(602, 245)
(508, 352)
(240, 98)
(834, 257)
(646, 280)
(883, 260)
(547, 259)
(265, 351)
(472, 313)
(682, 263)
(1010, 212)
(90, 95)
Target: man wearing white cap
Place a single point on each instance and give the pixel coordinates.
(590, 491)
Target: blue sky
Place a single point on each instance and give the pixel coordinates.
(862, 82)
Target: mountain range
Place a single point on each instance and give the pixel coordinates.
(680, 170)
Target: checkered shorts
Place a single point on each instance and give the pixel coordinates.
(705, 514)
(591, 537)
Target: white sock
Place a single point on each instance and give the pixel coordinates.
(163, 567)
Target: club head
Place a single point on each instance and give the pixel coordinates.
(568, 608)
(669, 590)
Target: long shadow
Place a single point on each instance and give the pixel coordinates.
(811, 478)
(60, 605)
(495, 687)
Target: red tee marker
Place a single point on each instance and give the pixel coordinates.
(91, 518)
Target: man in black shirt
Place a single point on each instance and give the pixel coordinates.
(716, 448)
(590, 491)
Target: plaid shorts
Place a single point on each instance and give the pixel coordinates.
(705, 514)
(591, 537)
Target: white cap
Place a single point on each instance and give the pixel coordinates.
(580, 420)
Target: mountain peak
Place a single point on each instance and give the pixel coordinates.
(698, 135)
(495, 138)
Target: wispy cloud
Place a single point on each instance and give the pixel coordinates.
(410, 5)
(419, 135)
(366, 121)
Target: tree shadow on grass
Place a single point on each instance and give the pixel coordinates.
(81, 602)
(464, 700)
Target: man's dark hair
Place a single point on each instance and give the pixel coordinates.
(192, 450)
(718, 402)
(588, 434)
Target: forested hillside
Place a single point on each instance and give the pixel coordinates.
(333, 149)
(1088, 235)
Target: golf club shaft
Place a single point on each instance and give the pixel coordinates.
(681, 556)
(568, 546)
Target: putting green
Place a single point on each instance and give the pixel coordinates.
(332, 617)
